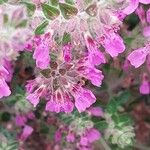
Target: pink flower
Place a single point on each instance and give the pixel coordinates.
(84, 98)
(126, 65)
(20, 120)
(4, 89)
(58, 136)
(133, 4)
(148, 15)
(141, 14)
(41, 52)
(27, 131)
(70, 137)
(138, 57)
(146, 31)
(30, 115)
(92, 74)
(67, 52)
(96, 57)
(95, 111)
(90, 136)
(60, 102)
(113, 44)
(63, 86)
(145, 85)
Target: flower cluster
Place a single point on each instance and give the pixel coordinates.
(69, 53)
(72, 45)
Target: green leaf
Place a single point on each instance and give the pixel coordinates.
(112, 106)
(69, 2)
(40, 29)
(54, 2)
(5, 116)
(100, 125)
(123, 97)
(30, 8)
(23, 23)
(3, 1)
(66, 38)
(122, 120)
(68, 10)
(128, 40)
(50, 12)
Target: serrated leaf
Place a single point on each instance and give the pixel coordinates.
(30, 8)
(112, 106)
(121, 120)
(68, 10)
(50, 12)
(100, 125)
(40, 29)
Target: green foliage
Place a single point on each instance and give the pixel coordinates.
(68, 10)
(23, 23)
(30, 8)
(69, 2)
(50, 12)
(66, 38)
(3, 1)
(5, 116)
(40, 29)
(54, 2)
(7, 140)
(115, 102)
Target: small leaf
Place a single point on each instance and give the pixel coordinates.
(54, 2)
(123, 97)
(66, 38)
(68, 10)
(112, 106)
(41, 27)
(23, 23)
(69, 2)
(30, 8)
(50, 12)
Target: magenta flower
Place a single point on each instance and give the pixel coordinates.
(61, 84)
(90, 136)
(54, 106)
(95, 111)
(145, 85)
(148, 15)
(42, 49)
(67, 52)
(138, 57)
(4, 89)
(58, 136)
(95, 55)
(133, 4)
(27, 131)
(146, 31)
(113, 44)
(20, 120)
(84, 98)
(70, 137)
